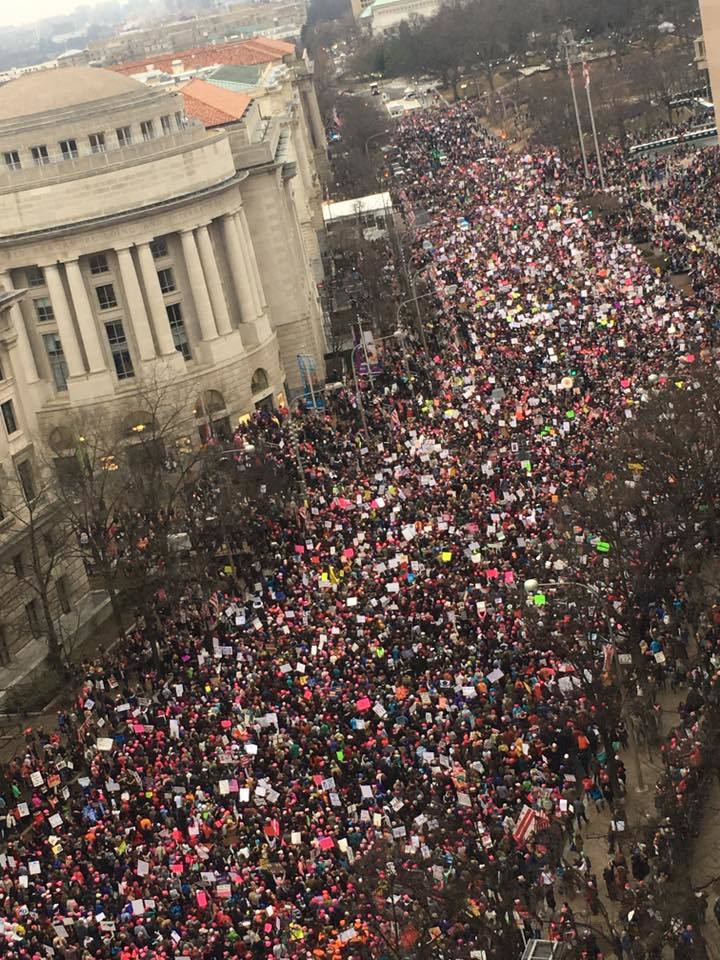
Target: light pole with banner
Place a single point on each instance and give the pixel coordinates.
(568, 45)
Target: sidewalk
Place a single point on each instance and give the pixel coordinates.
(639, 812)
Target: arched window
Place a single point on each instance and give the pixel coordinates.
(210, 402)
(62, 441)
(259, 381)
(137, 424)
(211, 410)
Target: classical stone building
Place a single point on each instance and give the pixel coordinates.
(382, 16)
(125, 221)
(148, 235)
(39, 576)
(277, 138)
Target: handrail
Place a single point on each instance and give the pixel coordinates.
(689, 136)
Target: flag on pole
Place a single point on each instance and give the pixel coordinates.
(586, 75)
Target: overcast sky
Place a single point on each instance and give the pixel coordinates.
(14, 12)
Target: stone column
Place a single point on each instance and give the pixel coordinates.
(137, 315)
(246, 238)
(25, 354)
(66, 329)
(239, 269)
(85, 317)
(148, 272)
(316, 123)
(199, 289)
(213, 281)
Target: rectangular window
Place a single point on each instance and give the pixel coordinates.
(63, 594)
(58, 366)
(180, 120)
(8, 415)
(179, 333)
(43, 309)
(147, 129)
(40, 155)
(119, 349)
(166, 124)
(27, 481)
(49, 541)
(18, 565)
(4, 648)
(31, 611)
(35, 276)
(167, 280)
(97, 142)
(106, 296)
(159, 248)
(68, 149)
(124, 136)
(12, 160)
(98, 264)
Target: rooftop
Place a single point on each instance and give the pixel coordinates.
(233, 74)
(241, 53)
(48, 90)
(213, 105)
(357, 206)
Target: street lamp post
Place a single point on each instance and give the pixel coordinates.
(358, 394)
(450, 289)
(568, 45)
(532, 586)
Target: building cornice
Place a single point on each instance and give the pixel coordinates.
(124, 216)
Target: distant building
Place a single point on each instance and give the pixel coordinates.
(707, 50)
(73, 58)
(284, 19)
(382, 16)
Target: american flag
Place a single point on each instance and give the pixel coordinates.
(586, 75)
(395, 419)
(525, 825)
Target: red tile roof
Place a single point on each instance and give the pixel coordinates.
(213, 105)
(242, 53)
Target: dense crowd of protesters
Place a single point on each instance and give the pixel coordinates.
(375, 677)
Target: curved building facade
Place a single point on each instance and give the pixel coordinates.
(124, 221)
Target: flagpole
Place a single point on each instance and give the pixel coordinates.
(586, 74)
(577, 114)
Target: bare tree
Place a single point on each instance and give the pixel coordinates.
(44, 548)
(123, 486)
